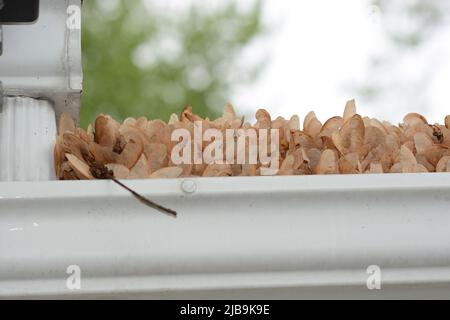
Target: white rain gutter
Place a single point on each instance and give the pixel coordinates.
(260, 237)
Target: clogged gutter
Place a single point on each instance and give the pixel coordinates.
(347, 144)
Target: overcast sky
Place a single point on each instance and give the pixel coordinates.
(320, 49)
(319, 52)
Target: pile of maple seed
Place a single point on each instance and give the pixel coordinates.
(351, 144)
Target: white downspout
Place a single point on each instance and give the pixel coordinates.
(27, 137)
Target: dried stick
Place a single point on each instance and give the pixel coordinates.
(146, 201)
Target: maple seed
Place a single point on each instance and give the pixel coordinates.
(438, 134)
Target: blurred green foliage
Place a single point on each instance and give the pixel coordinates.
(141, 59)
(415, 20)
(408, 28)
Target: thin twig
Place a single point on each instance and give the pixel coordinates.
(148, 202)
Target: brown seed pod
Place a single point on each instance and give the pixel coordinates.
(331, 125)
(141, 169)
(249, 170)
(106, 130)
(217, 170)
(338, 142)
(406, 157)
(357, 132)
(377, 124)
(73, 144)
(422, 159)
(422, 142)
(443, 165)
(159, 132)
(311, 125)
(294, 123)
(435, 153)
(287, 167)
(416, 168)
(119, 171)
(157, 155)
(349, 164)
(80, 167)
(167, 173)
(103, 155)
(228, 113)
(376, 167)
(413, 119)
(328, 163)
(65, 123)
(188, 116)
(373, 137)
(130, 154)
(263, 119)
(349, 110)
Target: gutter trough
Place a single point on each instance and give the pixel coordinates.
(243, 237)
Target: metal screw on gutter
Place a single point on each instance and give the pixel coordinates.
(188, 186)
